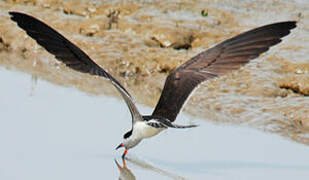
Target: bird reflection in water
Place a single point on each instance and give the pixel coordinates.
(127, 174)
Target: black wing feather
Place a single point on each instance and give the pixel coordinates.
(223, 58)
(60, 47)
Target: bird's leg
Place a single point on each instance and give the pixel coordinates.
(124, 163)
(124, 154)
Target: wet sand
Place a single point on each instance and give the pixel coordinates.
(53, 132)
(141, 42)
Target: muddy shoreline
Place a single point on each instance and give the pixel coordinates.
(140, 42)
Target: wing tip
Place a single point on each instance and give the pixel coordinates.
(283, 24)
(292, 24)
(289, 25)
(18, 16)
(15, 14)
(12, 13)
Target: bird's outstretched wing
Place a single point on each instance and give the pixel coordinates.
(223, 58)
(68, 53)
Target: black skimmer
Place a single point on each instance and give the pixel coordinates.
(221, 59)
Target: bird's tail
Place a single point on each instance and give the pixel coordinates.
(182, 126)
(172, 125)
(162, 122)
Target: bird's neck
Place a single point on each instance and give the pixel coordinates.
(132, 141)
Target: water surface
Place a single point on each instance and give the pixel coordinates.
(53, 132)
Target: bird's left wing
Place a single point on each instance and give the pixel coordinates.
(223, 58)
(68, 53)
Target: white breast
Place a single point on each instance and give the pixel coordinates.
(142, 130)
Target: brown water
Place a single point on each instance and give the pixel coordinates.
(141, 42)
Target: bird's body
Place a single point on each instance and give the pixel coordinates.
(221, 59)
(148, 127)
(140, 131)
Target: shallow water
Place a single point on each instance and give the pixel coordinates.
(52, 132)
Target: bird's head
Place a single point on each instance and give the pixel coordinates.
(128, 143)
(125, 144)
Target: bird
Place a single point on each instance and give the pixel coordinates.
(223, 58)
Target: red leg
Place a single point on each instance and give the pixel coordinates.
(124, 163)
(125, 153)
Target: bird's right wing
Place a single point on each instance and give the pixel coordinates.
(68, 53)
(223, 58)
